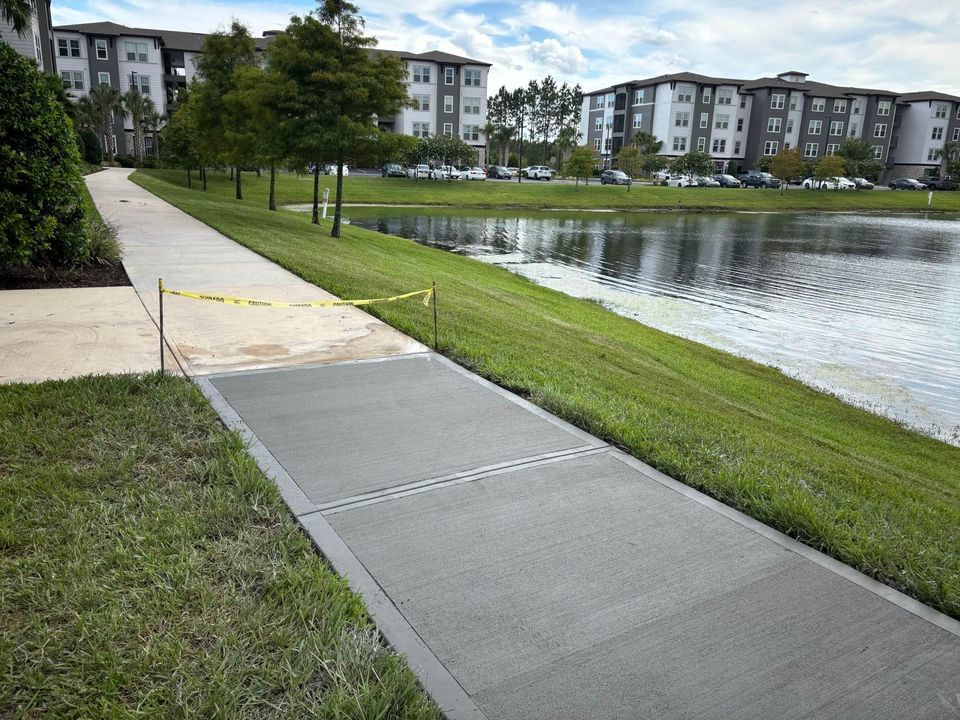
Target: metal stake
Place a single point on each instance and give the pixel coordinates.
(160, 287)
(436, 343)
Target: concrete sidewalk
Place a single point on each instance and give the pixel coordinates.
(523, 567)
(161, 241)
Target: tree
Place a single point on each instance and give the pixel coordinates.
(104, 102)
(500, 116)
(695, 162)
(450, 149)
(949, 153)
(787, 164)
(138, 106)
(630, 161)
(153, 121)
(19, 13)
(829, 166)
(649, 148)
(181, 139)
(581, 163)
(41, 205)
(859, 160)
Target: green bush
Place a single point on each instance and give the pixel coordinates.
(92, 152)
(41, 212)
(149, 163)
(103, 247)
(125, 161)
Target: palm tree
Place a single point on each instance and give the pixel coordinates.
(646, 143)
(138, 106)
(105, 100)
(153, 121)
(18, 13)
(949, 152)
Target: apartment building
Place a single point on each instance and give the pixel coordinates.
(36, 42)
(925, 121)
(449, 95)
(739, 121)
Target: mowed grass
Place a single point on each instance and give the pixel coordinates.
(148, 569)
(292, 189)
(855, 485)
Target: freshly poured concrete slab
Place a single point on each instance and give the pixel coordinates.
(582, 588)
(344, 430)
(161, 241)
(68, 332)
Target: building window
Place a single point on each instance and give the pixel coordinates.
(940, 111)
(719, 145)
(682, 119)
(739, 124)
(101, 46)
(598, 123)
(956, 134)
(818, 105)
(421, 129)
(931, 155)
(74, 48)
(836, 127)
(140, 82)
(103, 78)
(773, 125)
(937, 133)
(811, 149)
(743, 101)
(62, 50)
(721, 122)
(421, 102)
(704, 120)
(471, 106)
(832, 149)
(449, 77)
(883, 107)
(684, 93)
(421, 73)
(793, 102)
(814, 127)
(679, 144)
(471, 132)
(880, 130)
(471, 78)
(839, 106)
(596, 144)
(724, 97)
(855, 108)
(789, 126)
(878, 152)
(637, 120)
(607, 144)
(448, 103)
(770, 147)
(72, 80)
(448, 129)
(600, 102)
(853, 130)
(736, 147)
(610, 100)
(136, 52)
(958, 112)
(707, 95)
(638, 97)
(701, 144)
(776, 101)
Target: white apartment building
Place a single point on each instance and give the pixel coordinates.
(925, 122)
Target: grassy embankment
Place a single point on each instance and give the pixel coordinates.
(148, 569)
(542, 195)
(857, 486)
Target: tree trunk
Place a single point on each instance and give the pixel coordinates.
(338, 203)
(273, 188)
(315, 217)
(189, 179)
(231, 173)
(239, 187)
(258, 171)
(203, 174)
(156, 147)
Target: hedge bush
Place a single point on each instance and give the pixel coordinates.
(125, 161)
(92, 152)
(41, 209)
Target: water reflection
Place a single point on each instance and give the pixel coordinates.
(865, 306)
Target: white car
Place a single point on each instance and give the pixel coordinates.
(332, 170)
(681, 181)
(833, 183)
(540, 172)
(474, 173)
(445, 172)
(418, 171)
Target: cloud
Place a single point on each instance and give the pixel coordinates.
(563, 58)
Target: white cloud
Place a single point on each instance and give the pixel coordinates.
(563, 58)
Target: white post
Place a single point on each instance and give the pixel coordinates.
(929, 198)
(326, 198)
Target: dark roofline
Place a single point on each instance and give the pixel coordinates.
(927, 95)
(673, 77)
(110, 29)
(432, 56)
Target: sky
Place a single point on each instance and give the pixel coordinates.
(883, 44)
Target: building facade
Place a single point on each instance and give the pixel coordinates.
(36, 42)
(739, 122)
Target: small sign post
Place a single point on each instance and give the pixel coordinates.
(160, 287)
(326, 199)
(930, 198)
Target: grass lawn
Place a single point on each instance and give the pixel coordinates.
(540, 195)
(857, 486)
(148, 569)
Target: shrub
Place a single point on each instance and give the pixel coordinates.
(41, 212)
(148, 163)
(92, 152)
(103, 247)
(125, 161)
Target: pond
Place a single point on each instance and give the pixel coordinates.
(864, 306)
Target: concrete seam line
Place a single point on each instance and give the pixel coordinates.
(422, 486)
(454, 701)
(314, 366)
(905, 602)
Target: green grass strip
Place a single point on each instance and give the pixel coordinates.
(148, 569)
(858, 486)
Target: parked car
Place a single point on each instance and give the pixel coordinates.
(703, 181)
(497, 172)
(474, 173)
(660, 176)
(445, 172)
(513, 171)
(906, 184)
(680, 181)
(831, 183)
(727, 181)
(540, 172)
(418, 171)
(614, 177)
(861, 183)
(758, 179)
(331, 169)
(935, 183)
(392, 170)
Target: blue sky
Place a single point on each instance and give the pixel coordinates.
(887, 44)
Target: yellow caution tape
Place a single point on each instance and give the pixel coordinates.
(228, 300)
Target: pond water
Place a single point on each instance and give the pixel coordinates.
(864, 306)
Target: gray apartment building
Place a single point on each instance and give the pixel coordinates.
(36, 42)
(741, 121)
